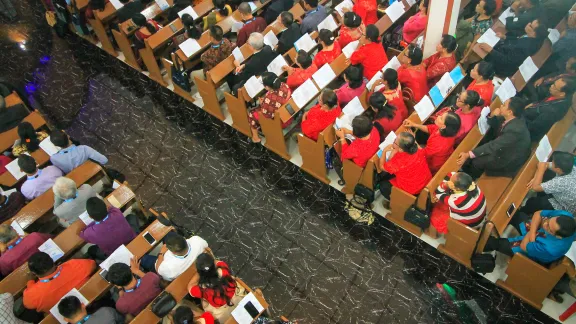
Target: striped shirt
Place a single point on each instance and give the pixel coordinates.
(463, 207)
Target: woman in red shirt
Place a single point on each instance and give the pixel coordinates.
(364, 146)
(297, 76)
(442, 135)
(351, 30)
(367, 10)
(442, 61)
(392, 91)
(384, 116)
(482, 73)
(370, 52)
(412, 73)
(146, 27)
(416, 24)
(353, 87)
(330, 49)
(468, 107)
(322, 115)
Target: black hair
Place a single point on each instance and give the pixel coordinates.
(140, 20)
(372, 33)
(452, 123)
(191, 29)
(486, 70)
(182, 315)
(361, 126)
(407, 143)
(567, 226)
(448, 42)
(568, 87)
(271, 80)
(124, 1)
(287, 18)
(391, 78)
(489, 7)
(415, 54)
(216, 32)
(28, 136)
(69, 306)
(209, 277)
(59, 138)
(96, 208)
(244, 8)
(380, 107)
(564, 161)
(40, 264)
(2, 103)
(473, 99)
(542, 30)
(329, 98)
(97, 4)
(312, 3)
(426, 3)
(326, 37)
(221, 6)
(463, 182)
(27, 163)
(352, 20)
(304, 59)
(119, 274)
(354, 76)
(176, 242)
(517, 105)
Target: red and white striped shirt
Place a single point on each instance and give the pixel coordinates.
(463, 207)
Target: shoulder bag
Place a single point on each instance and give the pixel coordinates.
(483, 262)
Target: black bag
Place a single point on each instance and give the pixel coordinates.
(163, 304)
(417, 216)
(179, 75)
(483, 262)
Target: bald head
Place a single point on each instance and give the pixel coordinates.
(244, 9)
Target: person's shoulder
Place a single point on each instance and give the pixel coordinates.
(76, 264)
(52, 168)
(17, 195)
(151, 276)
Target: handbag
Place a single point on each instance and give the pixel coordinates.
(179, 75)
(483, 262)
(163, 304)
(417, 216)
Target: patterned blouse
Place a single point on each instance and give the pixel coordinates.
(348, 35)
(479, 27)
(436, 66)
(21, 148)
(215, 55)
(271, 101)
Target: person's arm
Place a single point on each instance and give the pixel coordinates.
(135, 267)
(441, 192)
(423, 128)
(357, 57)
(534, 226)
(160, 257)
(505, 141)
(536, 182)
(129, 318)
(435, 71)
(193, 283)
(96, 156)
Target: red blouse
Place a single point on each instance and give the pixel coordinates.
(367, 10)
(208, 294)
(411, 171)
(396, 100)
(317, 120)
(300, 76)
(324, 57)
(142, 36)
(438, 148)
(372, 56)
(436, 66)
(348, 35)
(360, 151)
(484, 90)
(391, 125)
(414, 77)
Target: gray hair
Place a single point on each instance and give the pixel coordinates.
(256, 40)
(7, 233)
(65, 188)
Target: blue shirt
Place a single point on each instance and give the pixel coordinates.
(38, 184)
(73, 156)
(312, 19)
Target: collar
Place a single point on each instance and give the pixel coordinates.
(183, 256)
(35, 176)
(312, 11)
(82, 321)
(105, 218)
(217, 45)
(136, 287)
(246, 22)
(68, 149)
(53, 277)
(10, 247)
(70, 199)
(6, 201)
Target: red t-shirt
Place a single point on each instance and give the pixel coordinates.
(324, 57)
(395, 99)
(254, 25)
(411, 171)
(467, 122)
(438, 148)
(348, 35)
(208, 294)
(484, 90)
(360, 151)
(300, 76)
(21, 252)
(414, 78)
(367, 10)
(317, 120)
(391, 125)
(372, 56)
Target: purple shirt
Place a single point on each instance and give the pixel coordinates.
(38, 184)
(135, 301)
(20, 253)
(110, 233)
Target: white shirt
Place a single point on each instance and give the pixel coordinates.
(174, 265)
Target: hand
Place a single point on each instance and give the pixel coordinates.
(501, 35)
(388, 147)
(462, 158)
(240, 68)
(377, 83)
(525, 242)
(434, 199)
(285, 67)
(531, 183)
(304, 116)
(134, 265)
(485, 47)
(236, 63)
(515, 6)
(340, 133)
(539, 82)
(408, 123)
(496, 112)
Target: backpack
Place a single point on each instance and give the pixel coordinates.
(180, 75)
(359, 207)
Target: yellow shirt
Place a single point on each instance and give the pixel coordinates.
(218, 16)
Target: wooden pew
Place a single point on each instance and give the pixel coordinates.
(13, 99)
(257, 294)
(8, 137)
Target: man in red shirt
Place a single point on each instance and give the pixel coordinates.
(322, 115)
(364, 146)
(16, 249)
(251, 24)
(370, 53)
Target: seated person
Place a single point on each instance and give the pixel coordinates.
(482, 75)
(220, 48)
(29, 140)
(299, 75)
(510, 53)
(412, 73)
(384, 116)
(322, 115)
(553, 182)
(38, 180)
(442, 61)
(276, 8)
(190, 30)
(370, 52)
(564, 48)
(54, 281)
(178, 254)
(137, 289)
(330, 48)
(364, 146)
(314, 15)
(482, 20)
(74, 311)
(69, 201)
(464, 39)
(392, 90)
(416, 24)
(72, 156)
(353, 87)
(278, 93)
(109, 230)
(146, 28)
(94, 5)
(290, 35)
(541, 116)
(524, 11)
(255, 65)
(16, 249)
(367, 10)
(130, 8)
(251, 24)
(468, 108)
(545, 238)
(504, 155)
(185, 315)
(457, 197)
(351, 29)
(10, 205)
(221, 11)
(405, 168)
(539, 89)
(11, 116)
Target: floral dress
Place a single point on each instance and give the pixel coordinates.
(479, 27)
(271, 101)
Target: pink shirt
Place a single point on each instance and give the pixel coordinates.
(21, 252)
(414, 26)
(467, 121)
(345, 94)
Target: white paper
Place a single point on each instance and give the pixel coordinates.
(353, 108)
(47, 146)
(276, 65)
(14, 169)
(344, 121)
(17, 228)
(507, 13)
(86, 218)
(528, 69)
(253, 6)
(376, 76)
(270, 39)
(553, 35)
(238, 55)
(571, 254)
(424, 108)
(305, 43)
(121, 255)
(324, 76)
(115, 184)
(188, 10)
(254, 86)
(395, 10)
(344, 4)
(389, 140)
(506, 90)
(392, 64)
(190, 46)
(544, 149)
(116, 4)
(328, 23)
(163, 4)
(241, 315)
(350, 48)
(489, 37)
(236, 25)
(445, 84)
(7, 192)
(304, 93)
(483, 125)
(49, 247)
(411, 2)
(73, 292)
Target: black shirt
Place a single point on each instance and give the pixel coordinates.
(12, 116)
(288, 38)
(129, 10)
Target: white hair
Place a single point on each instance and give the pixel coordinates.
(256, 40)
(64, 188)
